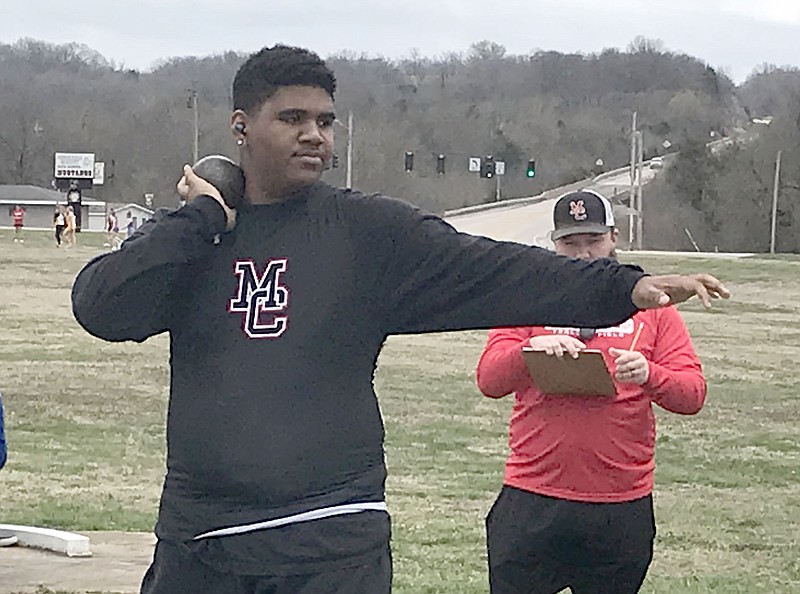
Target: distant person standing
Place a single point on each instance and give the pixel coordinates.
(18, 216)
(131, 226)
(69, 229)
(112, 227)
(59, 223)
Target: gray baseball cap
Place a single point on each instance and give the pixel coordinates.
(584, 211)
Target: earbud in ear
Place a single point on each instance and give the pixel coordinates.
(239, 127)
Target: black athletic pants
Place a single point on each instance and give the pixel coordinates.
(176, 570)
(541, 545)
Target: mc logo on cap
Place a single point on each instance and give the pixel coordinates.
(577, 209)
(583, 211)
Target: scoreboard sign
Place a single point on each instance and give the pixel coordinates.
(74, 165)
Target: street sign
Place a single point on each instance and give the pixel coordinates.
(148, 200)
(666, 144)
(475, 164)
(99, 173)
(500, 167)
(74, 165)
(599, 162)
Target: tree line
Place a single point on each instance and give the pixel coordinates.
(724, 199)
(566, 111)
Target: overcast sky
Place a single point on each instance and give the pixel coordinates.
(736, 35)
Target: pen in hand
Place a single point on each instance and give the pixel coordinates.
(636, 337)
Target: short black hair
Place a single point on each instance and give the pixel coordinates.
(278, 66)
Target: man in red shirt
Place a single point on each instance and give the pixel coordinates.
(576, 505)
(18, 216)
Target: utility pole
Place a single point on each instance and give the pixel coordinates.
(193, 107)
(349, 182)
(632, 196)
(497, 194)
(639, 206)
(775, 188)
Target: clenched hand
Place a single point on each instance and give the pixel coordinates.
(191, 185)
(630, 366)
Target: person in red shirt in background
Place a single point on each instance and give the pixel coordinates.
(18, 216)
(576, 507)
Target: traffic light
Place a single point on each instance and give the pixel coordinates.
(531, 172)
(334, 161)
(409, 163)
(487, 167)
(440, 164)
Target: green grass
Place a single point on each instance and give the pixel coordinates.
(86, 429)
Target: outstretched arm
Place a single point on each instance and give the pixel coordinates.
(432, 278)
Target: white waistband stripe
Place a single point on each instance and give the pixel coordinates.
(314, 514)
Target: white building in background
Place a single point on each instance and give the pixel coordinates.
(136, 213)
(40, 205)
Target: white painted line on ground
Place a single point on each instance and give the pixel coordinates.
(67, 543)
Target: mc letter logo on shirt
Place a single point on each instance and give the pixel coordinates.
(261, 299)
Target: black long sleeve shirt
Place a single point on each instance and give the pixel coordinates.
(275, 329)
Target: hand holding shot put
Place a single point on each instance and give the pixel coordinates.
(218, 177)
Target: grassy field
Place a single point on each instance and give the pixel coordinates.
(85, 423)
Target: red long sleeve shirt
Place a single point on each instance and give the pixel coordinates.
(593, 448)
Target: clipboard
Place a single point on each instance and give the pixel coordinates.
(587, 375)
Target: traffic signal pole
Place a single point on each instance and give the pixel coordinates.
(639, 204)
(632, 198)
(349, 182)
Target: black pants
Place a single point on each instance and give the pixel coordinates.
(59, 233)
(176, 570)
(541, 545)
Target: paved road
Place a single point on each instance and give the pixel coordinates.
(530, 221)
(529, 224)
(621, 182)
(709, 255)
